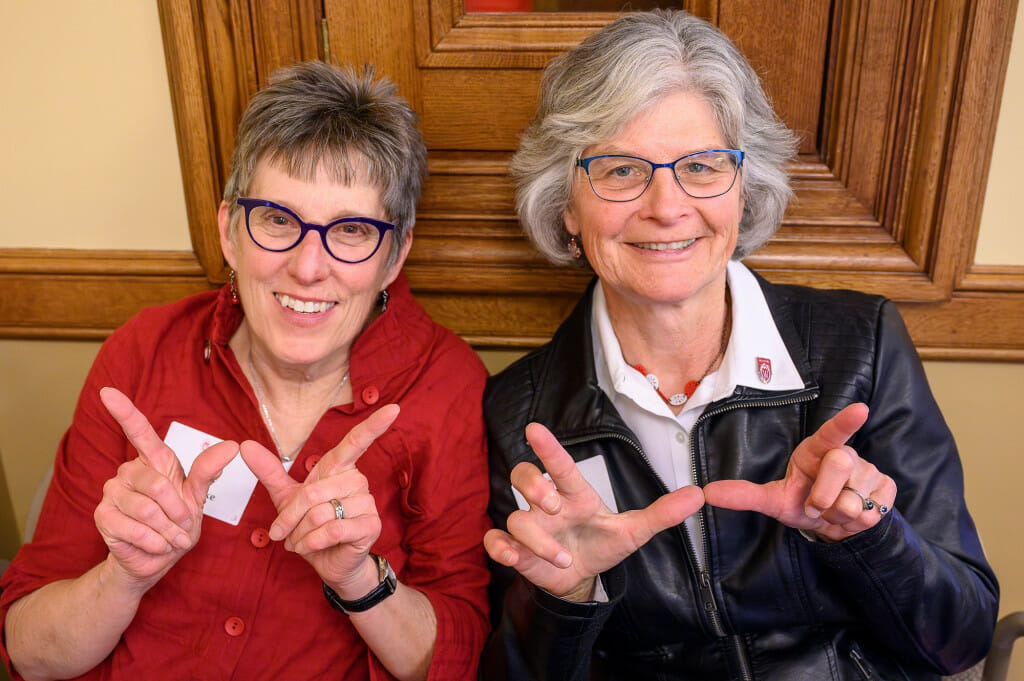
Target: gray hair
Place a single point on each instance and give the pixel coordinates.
(590, 93)
(313, 114)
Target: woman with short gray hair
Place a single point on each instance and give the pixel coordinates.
(328, 549)
(721, 478)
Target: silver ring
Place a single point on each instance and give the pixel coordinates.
(867, 504)
(339, 510)
(882, 508)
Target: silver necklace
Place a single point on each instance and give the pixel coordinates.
(266, 412)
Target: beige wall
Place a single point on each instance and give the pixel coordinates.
(92, 163)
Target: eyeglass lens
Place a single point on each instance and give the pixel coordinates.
(277, 230)
(702, 175)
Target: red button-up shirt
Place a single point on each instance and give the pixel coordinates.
(237, 605)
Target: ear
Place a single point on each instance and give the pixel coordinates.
(403, 253)
(572, 225)
(227, 244)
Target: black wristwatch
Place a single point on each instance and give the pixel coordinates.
(378, 594)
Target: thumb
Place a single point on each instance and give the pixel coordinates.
(743, 495)
(207, 467)
(267, 467)
(667, 511)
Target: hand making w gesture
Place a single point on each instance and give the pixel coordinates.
(568, 536)
(828, 489)
(330, 519)
(151, 512)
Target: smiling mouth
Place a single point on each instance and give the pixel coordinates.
(665, 246)
(303, 306)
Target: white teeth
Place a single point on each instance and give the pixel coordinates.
(661, 246)
(306, 307)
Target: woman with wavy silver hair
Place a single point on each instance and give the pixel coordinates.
(589, 94)
(708, 483)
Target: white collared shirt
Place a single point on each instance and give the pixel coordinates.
(755, 356)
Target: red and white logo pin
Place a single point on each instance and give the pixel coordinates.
(764, 369)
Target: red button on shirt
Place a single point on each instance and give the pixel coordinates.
(259, 537)
(234, 626)
(371, 394)
(311, 461)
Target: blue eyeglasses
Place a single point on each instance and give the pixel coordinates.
(702, 175)
(273, 227)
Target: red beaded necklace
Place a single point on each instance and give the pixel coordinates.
(679, 399)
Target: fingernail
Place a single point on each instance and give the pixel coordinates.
(550, 503)
(276, 534)
(182, 541)
(563, 559)
(187, 525)
(812, 512)
(508, 557)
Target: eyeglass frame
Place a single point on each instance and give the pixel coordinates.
(382, 226)
(585, 164)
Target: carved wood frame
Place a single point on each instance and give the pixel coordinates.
(915, 243)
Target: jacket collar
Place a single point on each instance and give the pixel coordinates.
(569, 400)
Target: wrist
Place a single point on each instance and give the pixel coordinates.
(359, 583)
(112, 575)
(581, 593)
(384, 585)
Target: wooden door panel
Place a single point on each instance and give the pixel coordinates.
(787, 44)
(896, 102)
(477, 109)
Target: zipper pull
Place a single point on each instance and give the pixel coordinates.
(706, 595)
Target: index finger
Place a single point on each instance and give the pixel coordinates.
(355, 443)
(140, 433)
(558, 463)
(833, 434)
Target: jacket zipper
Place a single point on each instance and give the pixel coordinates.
(703, 577)
(740, 655)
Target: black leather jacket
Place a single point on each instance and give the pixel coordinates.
(911, 598)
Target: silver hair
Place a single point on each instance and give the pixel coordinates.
(590, 93)
(313, 115)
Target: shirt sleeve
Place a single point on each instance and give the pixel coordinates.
(444, 501)
(66, 543)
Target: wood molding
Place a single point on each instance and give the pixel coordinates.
(906, 134)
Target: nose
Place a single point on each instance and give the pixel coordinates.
(310, 260)
(664, 198)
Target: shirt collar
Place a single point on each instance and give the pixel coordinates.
(755, 356)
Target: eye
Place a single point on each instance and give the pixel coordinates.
(698, 168)
(350, 228)
(620, 168)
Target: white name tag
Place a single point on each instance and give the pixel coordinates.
(229, 494)
(595, 471)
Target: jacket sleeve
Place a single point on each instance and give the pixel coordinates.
(535, 635)
(919, 576)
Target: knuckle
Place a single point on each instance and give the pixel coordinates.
(309, 495)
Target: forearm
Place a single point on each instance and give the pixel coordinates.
(66, 628)
(401, 632)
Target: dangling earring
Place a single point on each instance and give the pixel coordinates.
(574, 248)
(234, 289)
(384, 298)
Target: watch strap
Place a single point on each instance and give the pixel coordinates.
(387, 585)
